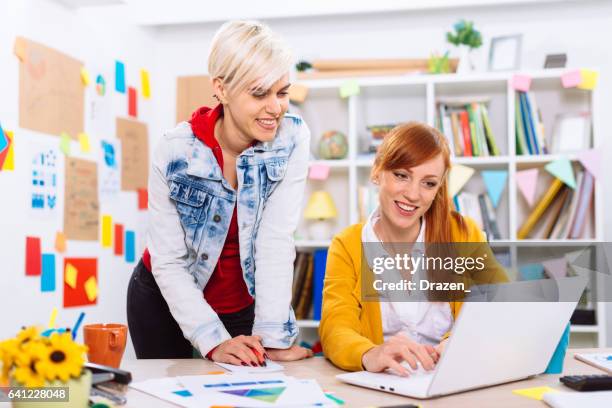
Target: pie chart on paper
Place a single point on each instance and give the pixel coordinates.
(261, 394)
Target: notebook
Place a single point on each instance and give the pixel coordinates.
(578, 399)
(602, 361)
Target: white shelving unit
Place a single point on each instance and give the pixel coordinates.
(396, 99)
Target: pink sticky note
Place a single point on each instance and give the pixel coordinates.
(318, 172)
(590, 160)
(526, 180)
(571, 79)
(521, 82)
(556, 268)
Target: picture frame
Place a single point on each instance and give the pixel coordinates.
(571, 132)
(505, 53)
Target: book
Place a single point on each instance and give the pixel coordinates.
(446, 127)
(521, 142)
(489, 131)
(539, 209)
(488, 217)
(469, 207)
(319, 263)
(556, 209)
(586, 196)
(467, 138)
(305, 296)
(571, 211)
(457, 136)
(299, 276)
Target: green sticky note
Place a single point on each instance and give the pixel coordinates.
(349, 88)
(65, 143)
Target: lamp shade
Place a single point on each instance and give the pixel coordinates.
(320, 206)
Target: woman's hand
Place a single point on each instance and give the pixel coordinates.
(399, 348)
(293, 353)
(240, 350)
(441, 346)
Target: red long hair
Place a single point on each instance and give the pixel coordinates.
(410, 145)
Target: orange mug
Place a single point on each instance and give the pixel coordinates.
(106, 343)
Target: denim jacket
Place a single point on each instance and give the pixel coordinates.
(191, 207)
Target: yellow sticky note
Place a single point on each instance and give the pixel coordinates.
(145, 84)
(65, 143)
(349, 88)
(535, 393)
(85, 76)
(60, 242)
(70, 275)
(457, 177)
(107, 231)
(91, 288)
(589, 79)
(9, 162)
(298, 93)
(52, 318)
(84, 142)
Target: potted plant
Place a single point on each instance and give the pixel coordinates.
(467, 39)
(32, 360)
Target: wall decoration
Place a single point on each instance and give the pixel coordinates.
(110, 181)
(81, 287)
(81, 206)
(134, 154)
(44, 182)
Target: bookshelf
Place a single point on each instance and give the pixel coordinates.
(396, 99)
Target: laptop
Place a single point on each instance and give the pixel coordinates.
(492, 342)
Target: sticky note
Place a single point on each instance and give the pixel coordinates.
(91, 288)
(118, 239)
(536, 393)
(145, 85)
(562, 169)
(495, 182)
(65, 143)
(19, 48)
(571, 79)
(589, 79)
(52, 318)
(555, 268)
(591, 161)
(458, 176)
(33, 257)
(60, 242)
(318, 172)
(132, 102)
(298, 93)
(9, 162)
(521, 82)
(349, 88)
(84, 142)
(107, 231)
(119, 77)
(85, 76)
(143, 198)
(3, 140)
(47, 278)
(70, 275)
(130, 246)
(4, 154)
(527, 180)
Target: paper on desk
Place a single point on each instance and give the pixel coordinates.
(578, 399)
(168, 389)
(271, 367)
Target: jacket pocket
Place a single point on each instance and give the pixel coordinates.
(275, 171)
(190, 200)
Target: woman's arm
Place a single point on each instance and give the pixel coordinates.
(275, 251)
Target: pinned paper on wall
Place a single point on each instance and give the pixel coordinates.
(349, 88)
(60, 242)
(318, 172)
(51, 94)
(536, 393)
(19, 48)
(555, 268)
(7, 157)
(495, 182)
(589, 79)
(132, 102)
(44, 184)
(47, 278)
(134, 154)
(145, 84)
(458, 176)
(100, 85)
(191, 93)
(591, 161)
(562, 169)
(33, 256)
(143, 198)
(521, 82)
(81, 289)
(118, 250)
(119, 77)
(65, 143)
(81, 206)
(110, 178)
(84, 142)
(527, 180)
(107, 231)
(130, 246)
(531, 272)
(298, 93)
(85, 76)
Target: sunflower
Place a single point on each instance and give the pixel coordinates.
(8, 353)
(25, 366)
(61, 359)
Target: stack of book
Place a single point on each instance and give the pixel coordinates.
(479, 208)
(562, 212)
(466, 125)
(308, 278)
(530, 138)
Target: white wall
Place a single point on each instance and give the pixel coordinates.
(96, 41)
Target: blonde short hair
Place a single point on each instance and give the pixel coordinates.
(248, 53)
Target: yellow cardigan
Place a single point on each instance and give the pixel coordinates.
(350, 327)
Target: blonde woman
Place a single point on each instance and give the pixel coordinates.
(224, 196)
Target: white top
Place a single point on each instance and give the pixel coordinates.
(423, 322)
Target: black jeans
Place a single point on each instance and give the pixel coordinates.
(155, 333)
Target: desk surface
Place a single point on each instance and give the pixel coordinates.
(324, 372)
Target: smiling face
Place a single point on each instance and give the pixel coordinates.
(405, 194)
(256, 113)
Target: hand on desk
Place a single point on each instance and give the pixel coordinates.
(240, 350)
(293, 353)
(399, 348)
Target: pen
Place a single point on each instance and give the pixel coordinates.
(259, 357)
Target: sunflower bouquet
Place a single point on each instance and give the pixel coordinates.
(32, 359)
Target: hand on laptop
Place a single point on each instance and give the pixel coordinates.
(399, 348)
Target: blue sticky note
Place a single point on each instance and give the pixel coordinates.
(47, 276)
(531, 272)
(3, 140)
(119, 77)
(130, 246)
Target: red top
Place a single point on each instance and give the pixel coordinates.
(225, 291)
